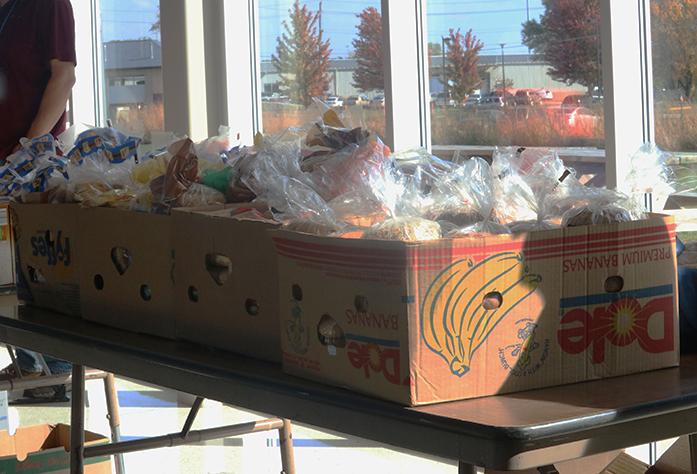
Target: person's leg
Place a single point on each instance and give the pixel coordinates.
(687, 301)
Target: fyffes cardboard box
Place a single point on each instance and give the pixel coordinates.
(427, 322)
(226, 281)
(44, 449)
(46, 252)
(127, 274)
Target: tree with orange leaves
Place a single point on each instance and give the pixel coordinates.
(369, 74)
(674, 31)
(462, 66)
(302, 56)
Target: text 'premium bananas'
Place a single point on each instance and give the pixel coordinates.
(465, 303)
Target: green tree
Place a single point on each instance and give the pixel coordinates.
(369, 75)
(302, 56)
(567, 37)
(462, 66)
(674, 30)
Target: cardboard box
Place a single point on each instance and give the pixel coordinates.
(45, 449)
(427, 322)
(127, 277)
(47, 262)
(7, 260)
(226, 282)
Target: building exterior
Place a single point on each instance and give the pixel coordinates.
(133, 72)
(133, 76)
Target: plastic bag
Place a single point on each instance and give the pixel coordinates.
(407, 229)
(182, 172)
(108, 143)
(650, 174)
(514, 198)
(215, 149)
(199, 195)
(601, 206)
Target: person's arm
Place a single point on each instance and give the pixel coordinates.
(54, 99)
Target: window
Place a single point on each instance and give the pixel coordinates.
(132, 58)
(329, 50)
(674, 31)
(515, 73)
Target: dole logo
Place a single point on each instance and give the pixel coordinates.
(372, 358)
(620, 320)
(55, 250)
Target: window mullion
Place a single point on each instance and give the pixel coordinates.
(628, 85)
(407, 99)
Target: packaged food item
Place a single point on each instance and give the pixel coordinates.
(199, 195)
(109, 143)
(515, 199)
(407, 229)
(601, 206)
(182, 172)
(650, 179)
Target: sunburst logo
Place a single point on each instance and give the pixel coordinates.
(622, 321)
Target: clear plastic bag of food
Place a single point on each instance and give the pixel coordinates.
(352, 169)
(601, 206)
(215, 149)
(406, 229)
(181, 174)
(199, 195)
(650, 175)
(514, 198)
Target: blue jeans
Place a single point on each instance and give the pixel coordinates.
(28, 362)
(687, 301)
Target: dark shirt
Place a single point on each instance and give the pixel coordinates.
(37, 32)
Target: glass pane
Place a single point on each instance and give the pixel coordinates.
(330, 50)
(517, 72)
(132, 54)
(674, 30)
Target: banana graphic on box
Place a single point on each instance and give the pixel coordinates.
(457, 316)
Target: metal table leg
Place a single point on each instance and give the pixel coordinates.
(112, 406)
(77, 421)
(693, 452)
(464, 468)
(287, 455)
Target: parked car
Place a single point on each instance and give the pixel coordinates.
(378, 101)
(526, 97)
(334, 101)
(573, 102)
(492, 101)
(543, 94)
(357, 100)
(473, 100)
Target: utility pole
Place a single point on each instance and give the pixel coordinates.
(444, 79)
(503, 71)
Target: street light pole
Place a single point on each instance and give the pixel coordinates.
(443, 80)
(503, 72)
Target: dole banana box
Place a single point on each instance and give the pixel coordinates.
(46, 241)
(427, 322)
(226, 281)
(127, 277)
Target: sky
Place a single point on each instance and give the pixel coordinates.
(493, 21)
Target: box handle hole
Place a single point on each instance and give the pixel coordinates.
(35, 275)
(614, 284)
(193, 294)
(99, 282)
(145, 292)
(330, 333)
(297, 292)
(361, 304)
(251, 306)
(492, 300)
(121, 258)
(219, 267)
